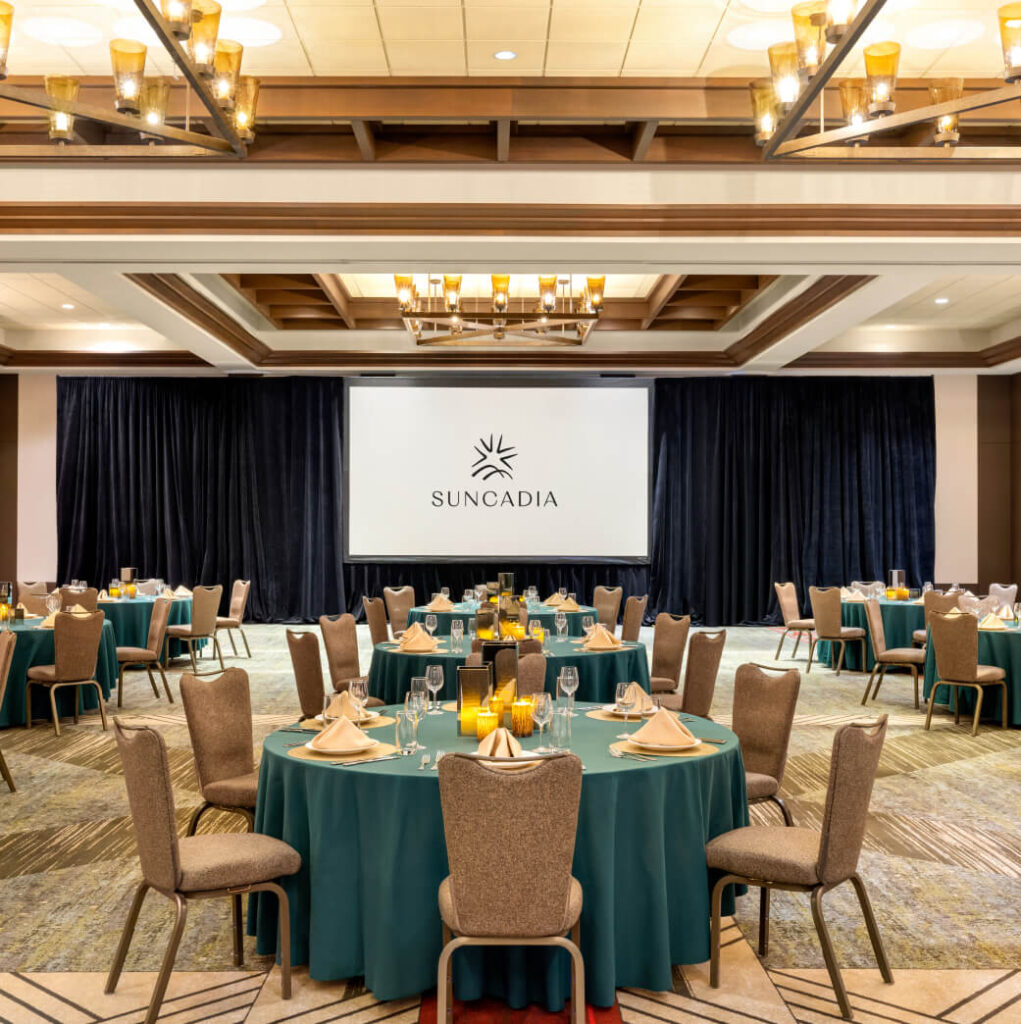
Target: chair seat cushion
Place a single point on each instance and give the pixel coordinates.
(180, 630)
(919, 635)
(135, 654)
(902, 656)
(802, 624)
(227, 859)
(851, 633)
(239, 791)
(773, 853)
(660, 684)
(670, 700)
(760, 786)
(990, 673)
(43, 673)
(448, 912)
(225, 622)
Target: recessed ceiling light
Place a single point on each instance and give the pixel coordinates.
(505, 55)
(942, 301)
(67, 305)
(941, 35)
(759, 35)
(250, 31)
(63, 31)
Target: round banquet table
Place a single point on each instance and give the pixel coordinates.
(373, 855)
(995, 647)
(599, 672)
(900, 620)
(130, 617)
(34, 646)
(536, 612)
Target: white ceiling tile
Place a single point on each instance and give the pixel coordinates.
(318, 23)
(348, 57)
(591, 24)
(421, 24)
(592, 57)
(442, 57)
(502, 23)
(531, 54)
(676, 55)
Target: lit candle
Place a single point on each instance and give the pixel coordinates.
(521, 717)
(468, 716)
(485, 723)
(496, 706)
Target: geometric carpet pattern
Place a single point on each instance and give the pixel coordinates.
(942, 860)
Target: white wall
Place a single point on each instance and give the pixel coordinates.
(37, 477)
(956, 478)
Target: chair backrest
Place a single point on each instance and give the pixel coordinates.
(239, 599)
(531, 673)
(874, 618)
(933, 602)
(87, 598)
(606, 601)
(76, 645)
(787, 597)
(375, 616)
(634, 612)
(826, 610)
(399, 601)
(219, 714)
(474, 660)
(205, 605)
(308, 671)
(485, 617)
(1003, 593)
(38, 589)
(151, 798)
(340, 638)
(669, 636)
(529, 646)
(509, 825)
(856, 750)
(35, 604)
(7, 642)
(764, 703)
(955, 642)
(158, 624)
(704, 654)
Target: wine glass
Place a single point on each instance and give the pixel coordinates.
(569, 685)
(359, 690)
(434, 682)
(466, 597)
(407, 731)
(472, 630)
(53, 603)
(542, 712)
(560, 619)
(625, 699)
(562, 591)
(331, 710)
(588, 623)
(430, 623)
(415, 703)
(445, 591)
(457, 635)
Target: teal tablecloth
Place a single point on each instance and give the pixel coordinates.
(994, 648)
(373, 856)
(130, 617)
(539, 612)
(900, 620)
(598, 673)
(35, 647)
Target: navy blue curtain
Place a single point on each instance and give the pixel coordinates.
(818, 480)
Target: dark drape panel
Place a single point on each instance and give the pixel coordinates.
(818, 480)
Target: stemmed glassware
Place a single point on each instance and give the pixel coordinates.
(407, 731)
(560, 620)
(430, 623)
(359, 690)
(445, 592)
(416, 702)
(457, 635)
(330, 709)
(434, 682)
(53, 603)
(562, 591)
(542, 712)
(568, 685)
(587, 624)
(625, 700)
(466, 597)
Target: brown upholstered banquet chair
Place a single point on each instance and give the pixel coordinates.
(197, 867)
(219, 716)
(375, 616)
(1003, 594)
(828, 625)
(606, 601)
(485, 618)
(910, 658)
(340, 636)
(530, 645)
(804, 860)
(669, 636)
(531, 673)
(474, 660)
(934, 602)
(205, 602)
(87, 598)
(235, 614)
(955, 644)
(308, 671)
(704, 653)
(34, 604)
(500, 824)
(7, 642)
(75, 650)
(634, 612)
(399, 602)
(787, 597)
(149, 655)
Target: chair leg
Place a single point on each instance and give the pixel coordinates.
(932, 703)
(99, 694)
(868, 685)
(836, 979)
(787, 819)
(840, 657)
(167, 967)
(120, 684)
(716, 912)
(873, 928)
(914, 679)
(797, 644)
(239, 942)
(445, 981)
(6, 773)
(879, 681)
(152, 682)
(53, 710)
(779, 646)
(979, 692)
(28, 704)
(284, 918)
(219, 652)
(763, 921)
(577, 977)
(812, 641)
(1003, 720)
(244, 640)
(194, 823)
(166, 685)
(191, 654)
(129, 930)
(233, 645)
(955, 694)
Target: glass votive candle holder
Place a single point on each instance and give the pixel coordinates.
(521, 717)
(496, 706)
(485, 723)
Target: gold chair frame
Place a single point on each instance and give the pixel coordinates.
(956, 704)
(53, 687)
(147, 665)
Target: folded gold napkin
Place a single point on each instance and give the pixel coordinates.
(554, 600)
(441, 604)
(77, 609)
(663, 728)
(845, 593)
(1005, 612)
(919, 600)
(853, 596)
(103, 595)
(420, 642)
(601, 639)
(413, 630)
(641, 700)
(500, 743)
(953, 612)
(47, 623)
(569, 605)
(344, 704)
(182, 591)
(169, 593)
(992, 622)
(342, 735)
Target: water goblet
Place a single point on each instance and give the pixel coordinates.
(53, 603)
(542, 712)
(466, 597)
(415, 702)
(445, 592)
(434, 682)
(359, 690)
(588, 623)
(331, 708)
(430, 623)
(457, 635)
(569, 685)
(560, 619)
(926, 586)
(407, 731)
(625, 700)
(562, 591)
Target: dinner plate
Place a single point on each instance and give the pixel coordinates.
(342, 750)
(367, 716)
(612, 709)
(666, 748)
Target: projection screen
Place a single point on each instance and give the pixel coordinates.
(473, 472)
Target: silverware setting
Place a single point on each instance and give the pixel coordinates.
(422, 764)
(366, 760)
(628, 756)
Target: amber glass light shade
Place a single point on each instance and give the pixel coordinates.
(177, 15)
(783, 66)
(61, 87)
(405, 285)
(226, 71)
(501, 292)
(127, 57)
(153, 101)
(547, 293)
(839, 15)
(246, 103)
(1010, 39)
(810, 34)
(764, 109)
(6, 20)
(881, 60)
(854, 100)
(943, 90)
(595, 290)
(202, 41)
(452, 292)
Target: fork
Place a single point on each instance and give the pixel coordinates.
(628, 756)
(422, 764)
(436, 763)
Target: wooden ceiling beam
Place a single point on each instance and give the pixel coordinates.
(337, 295)
(641, 139)
(662, 292)
(503, 127)
(365, 138)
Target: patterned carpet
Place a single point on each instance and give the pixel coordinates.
(942, 860)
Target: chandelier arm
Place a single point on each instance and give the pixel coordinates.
(915, 154)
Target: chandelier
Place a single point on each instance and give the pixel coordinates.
(556, 313)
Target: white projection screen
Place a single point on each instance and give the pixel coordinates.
(477, 472)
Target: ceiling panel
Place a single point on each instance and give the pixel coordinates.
(975, 301)
(37, 300)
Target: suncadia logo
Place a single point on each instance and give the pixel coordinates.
(493, 459)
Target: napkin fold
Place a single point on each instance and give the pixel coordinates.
(182, 591)
(845, 593)
(344, 704)
(601, 639)
(420, 642)
(47, 623)
(342, 735)
(992, 622)
(77, 609)
(853, 595)
(953, 612)
(641, 700)
(919, 600)
(103, 595)
(1005, 612)
(554, 600)
(167, 592)
(664, 728)
(500, 743)
(440, 604)
(569, 605)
